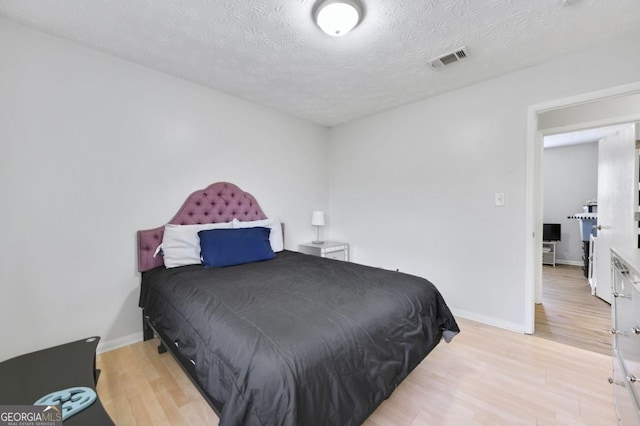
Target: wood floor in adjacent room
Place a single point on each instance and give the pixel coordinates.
(486, 376)
(569, 313)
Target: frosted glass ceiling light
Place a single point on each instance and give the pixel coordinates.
(338, 17)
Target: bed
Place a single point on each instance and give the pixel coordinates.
(293, 340)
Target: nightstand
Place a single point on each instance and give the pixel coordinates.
(549, 253)
(328, 249)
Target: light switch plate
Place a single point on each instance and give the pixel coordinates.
(499, 199)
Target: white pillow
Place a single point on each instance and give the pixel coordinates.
(275, 237)
(181, 244)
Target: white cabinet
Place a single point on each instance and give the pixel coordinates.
(549, 253)
(625, 271)
(328, 249)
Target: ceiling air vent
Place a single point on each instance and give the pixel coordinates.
(448, 58)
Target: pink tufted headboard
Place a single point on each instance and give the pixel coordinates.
(218, 202)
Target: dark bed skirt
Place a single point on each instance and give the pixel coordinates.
(150, 331)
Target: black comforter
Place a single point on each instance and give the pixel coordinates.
(297, 340)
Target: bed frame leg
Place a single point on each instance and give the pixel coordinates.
(147, 331)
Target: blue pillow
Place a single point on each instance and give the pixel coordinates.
(227, 247)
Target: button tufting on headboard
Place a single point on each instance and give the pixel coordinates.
(195, 211)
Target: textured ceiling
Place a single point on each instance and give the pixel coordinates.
(270, 52)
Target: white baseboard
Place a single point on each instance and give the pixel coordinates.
(110, 345)
(569, 262)
(495, 322)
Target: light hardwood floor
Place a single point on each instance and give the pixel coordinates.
(486, 376)
(569, 313)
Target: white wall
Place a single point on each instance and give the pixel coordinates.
(94, 148)
(413, 188)
(570, 177)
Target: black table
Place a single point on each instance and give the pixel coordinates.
(27, 378)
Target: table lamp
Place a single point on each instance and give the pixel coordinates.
(317, 220)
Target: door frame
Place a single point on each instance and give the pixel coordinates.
(533, 203)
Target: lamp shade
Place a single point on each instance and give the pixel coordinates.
(317, 218)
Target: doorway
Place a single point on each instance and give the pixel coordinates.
(569, 313)
(608, 107)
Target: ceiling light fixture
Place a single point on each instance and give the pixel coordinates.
(338, 17)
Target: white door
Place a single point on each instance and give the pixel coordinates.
(616, 186)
